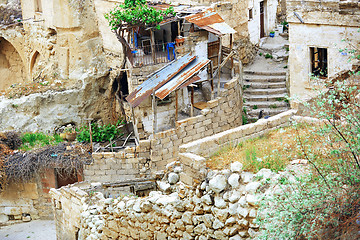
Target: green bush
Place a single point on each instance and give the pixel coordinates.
(269, 56)
(38, 139)
(325, 203)
(100, 133)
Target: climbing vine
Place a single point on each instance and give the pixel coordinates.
(137, 13)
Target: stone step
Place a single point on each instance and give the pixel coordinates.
(254, 113)
(270, 98)
(257, 85)
(262, 105)
(266, 73)
(263, 78)
(268, 91)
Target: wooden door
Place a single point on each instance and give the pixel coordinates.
(262, 18)
(213, 52)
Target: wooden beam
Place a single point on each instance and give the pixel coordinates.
(218, 68)
(152, 41)
(192, 102)
(176, 105)
(154, 109)
(136, 132)
(232, 58)
(212, 79)
(179, 33)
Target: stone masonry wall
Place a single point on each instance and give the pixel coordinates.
(223, 206)
(131, 163)
(27, 201)
(193, 155)
(223, 113)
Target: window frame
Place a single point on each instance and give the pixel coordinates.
(319, 62)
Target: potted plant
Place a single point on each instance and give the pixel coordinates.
(272, 34)
(70, 133)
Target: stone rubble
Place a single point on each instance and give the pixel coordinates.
(223, 206)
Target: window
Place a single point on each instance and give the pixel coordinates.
(38, 6)
(250, 14)
(318, 58)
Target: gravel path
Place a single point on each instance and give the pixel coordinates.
(36, 229)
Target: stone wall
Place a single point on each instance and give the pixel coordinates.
(193, 155)
(130, 163)
(67, 207)
(223, 206)
(222, 113)
(26, 201)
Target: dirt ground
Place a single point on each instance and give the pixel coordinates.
(36, 229)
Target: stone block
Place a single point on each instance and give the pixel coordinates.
(213, 103)
(120, 155)
(97, 156)
(108, 155)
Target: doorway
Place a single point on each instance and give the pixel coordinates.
(64, 178)
(262, 20)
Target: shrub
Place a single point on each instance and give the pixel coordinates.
(268, 56)
(100, 133)
(324, 204)
(35, 140)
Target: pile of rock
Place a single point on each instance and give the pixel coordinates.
(224, 206)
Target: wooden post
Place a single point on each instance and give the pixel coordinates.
(232, 58)
(176, 105)
(212, 79)
(179, 32)
(135, 126)
(90, 131)
(152, 42)
(218, 68)
(154, 109)
(192, 102)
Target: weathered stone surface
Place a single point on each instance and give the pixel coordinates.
(218, 183)
(235, 195)
(187, 218)
(200, 229)
(234, 180)
(217, 224)
(252, 200)
(252, 187)
(4, 218)
(242, 212)
(236, 167)
(220, 202)
(173, 178)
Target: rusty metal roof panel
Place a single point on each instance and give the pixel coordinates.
(190, 81)
(211, 21)
(222, 27)
(188, 72)
(158, 79)
(209, 16)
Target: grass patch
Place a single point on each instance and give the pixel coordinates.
(269, 56)
(273, 150)
(36, 140)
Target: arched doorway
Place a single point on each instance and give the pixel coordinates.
(36, 66)
(12, 68)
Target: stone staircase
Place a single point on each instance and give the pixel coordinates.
(264, 90)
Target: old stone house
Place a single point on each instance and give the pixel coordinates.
(322, 36)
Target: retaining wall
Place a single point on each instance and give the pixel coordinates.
(192, 155)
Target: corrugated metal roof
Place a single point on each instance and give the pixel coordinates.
(211, 21)
(190, 81)
(158, 79)
(189, 71)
